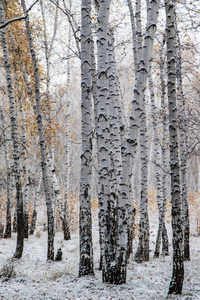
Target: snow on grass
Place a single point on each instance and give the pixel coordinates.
(36, 278)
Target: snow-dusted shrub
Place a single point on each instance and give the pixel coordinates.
(38, 234)
(8, 269)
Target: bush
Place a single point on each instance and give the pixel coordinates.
(8, 270)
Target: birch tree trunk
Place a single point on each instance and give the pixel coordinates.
(7, 233)
(132, 139)
(183, 151)
(139, 36)
(157, 162)
(37, 196)
(134, 32)
(85, 218)
(15, 140)
(142, 253)
(95, 175)
(115, 137)
(50, 217)
(158, 165)
(165, 134)
(106, 208)
(137, 51)
(67, 235)
(25, 171)
(176, 283)
(58, 197)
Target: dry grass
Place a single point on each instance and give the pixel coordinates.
(193, 198)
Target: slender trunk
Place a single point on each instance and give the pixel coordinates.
(132, 140)
(165, 134)
(25, 171)
(15, 219)
(34, 215)
(15, 139)
(115, 138)
(7, 233)
(50, 250)
(67, 235)
(139, 37)
(183, 151)
(142, 253)
(176, 283)
(58, 197)
(106, 209)
(94, 121)
(157, 161)
(134, 35)
(85, 220)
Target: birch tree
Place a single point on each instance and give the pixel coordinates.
(67, 235)
(183, 148)
(37, 196)
(50, 250)
(15, 139)
(132, 139)
(85, 219)
(176, 283)
(25, 170)
(142, 253)
(164, 161)
(160, 167)
(7, 233)
(106, 209)
(57, 194)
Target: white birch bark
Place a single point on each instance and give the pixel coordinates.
(7, 233)
(157, 160)
(50, 250)
(104, 187)
(142, 253)
(58, 196)
(25, 171)
(176, 283)
(85, 218)
(47, 51)
(94, 121)
(139, 36)
(132, 137)
(133, 29)
(67, 235)
(164, 161)
(114, 108)
(115, 138)
(37, 197)
(15, 140)
(183, 150)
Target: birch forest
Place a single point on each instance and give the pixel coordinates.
(99, 149)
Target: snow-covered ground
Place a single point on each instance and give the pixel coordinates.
(38, 279)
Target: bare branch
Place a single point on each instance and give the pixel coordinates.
(12, 20)
(17, 18)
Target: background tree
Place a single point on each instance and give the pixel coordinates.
(15, 138)
(50, 250)
(177, 232)
(7, 233)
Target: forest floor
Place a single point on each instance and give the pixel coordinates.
(36, 278)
